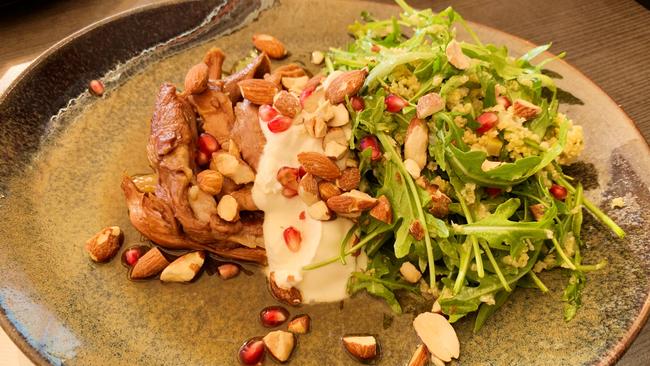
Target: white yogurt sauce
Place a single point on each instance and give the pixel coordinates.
(320, 239)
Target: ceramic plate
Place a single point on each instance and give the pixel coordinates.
(59, 183)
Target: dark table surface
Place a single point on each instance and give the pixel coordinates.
(608, 40)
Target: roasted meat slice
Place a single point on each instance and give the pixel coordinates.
(215, 109)
(247, 134)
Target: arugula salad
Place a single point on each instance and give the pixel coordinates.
(466, 144)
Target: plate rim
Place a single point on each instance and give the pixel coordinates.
(614, 353)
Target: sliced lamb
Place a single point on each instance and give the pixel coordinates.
(247, 133)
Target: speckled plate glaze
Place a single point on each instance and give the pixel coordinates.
(59, 183)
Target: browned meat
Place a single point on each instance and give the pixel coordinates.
(247, 134)
(215, 109)
(170, 148)
(214, 59)
(256, 69)
(154, 218)
(244, 198)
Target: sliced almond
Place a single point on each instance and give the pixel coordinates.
(313, 101)
(308, 189)
(409, 272)
(280, 344)
(287, 104)
(416, 229)
(233, 149)
(295, 84)
(456, 57)
(417, 142)
(328, 190)
(525, 109)
(436, 361)
(349, 180)
(319, 165)
(228, 270)
(346, 84)
(291, 296)
(300, 324)
(319, 211)
(269, 45)
(361, 347)
(196, 79)
(285, 71)
(382, 211)
(232, 167)
(436, 308)
(184, 268)
(438, 335)
(429, 104)
(351, 202)
(420, 356)
(258, 91)
(340, 116)
(317, 57)
(228, 209)
(210, 181)
(439, 205)
(488, 165)
(413, 168)
(335, 134)
(538, 210)
(335, 150)
(151, 263)
(315, 126)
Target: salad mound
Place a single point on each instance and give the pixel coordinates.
(463, 145)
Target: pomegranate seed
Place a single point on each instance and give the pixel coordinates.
(370, 142)
(487, 120)
(375, 48)
(132, 256)
(394, 103)
(202, 159)
(273, 316)
(301, 171)
(558, 192)
(305, 94)
(492, 191)
(292, 238)
(289, 193)
(504, 101)
(288, 177)
(280, 124)
(252, 352)
(96, 87)
(267, 113)
(357, 103)
(302, 216)
(208, 144)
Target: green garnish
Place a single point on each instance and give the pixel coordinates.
(501, 223)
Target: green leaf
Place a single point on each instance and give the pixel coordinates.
(572, 295)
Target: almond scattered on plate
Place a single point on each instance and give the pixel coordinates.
(361, 347)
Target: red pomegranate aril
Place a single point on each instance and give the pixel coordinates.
(301, 172)
(280, 124)
(305, 94)
(302, 216)
(288, 177)
(357, 103)
(492, 191)
(394, 103)
(375, 48)
(370, 142)
(131, 256)
(208, 144)
(292, 238)
(202, 159)
(487, 120)
(252, 352)
(96, 87)
(504, 101)
(558, 192)
(272, 316)
(267, 113)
